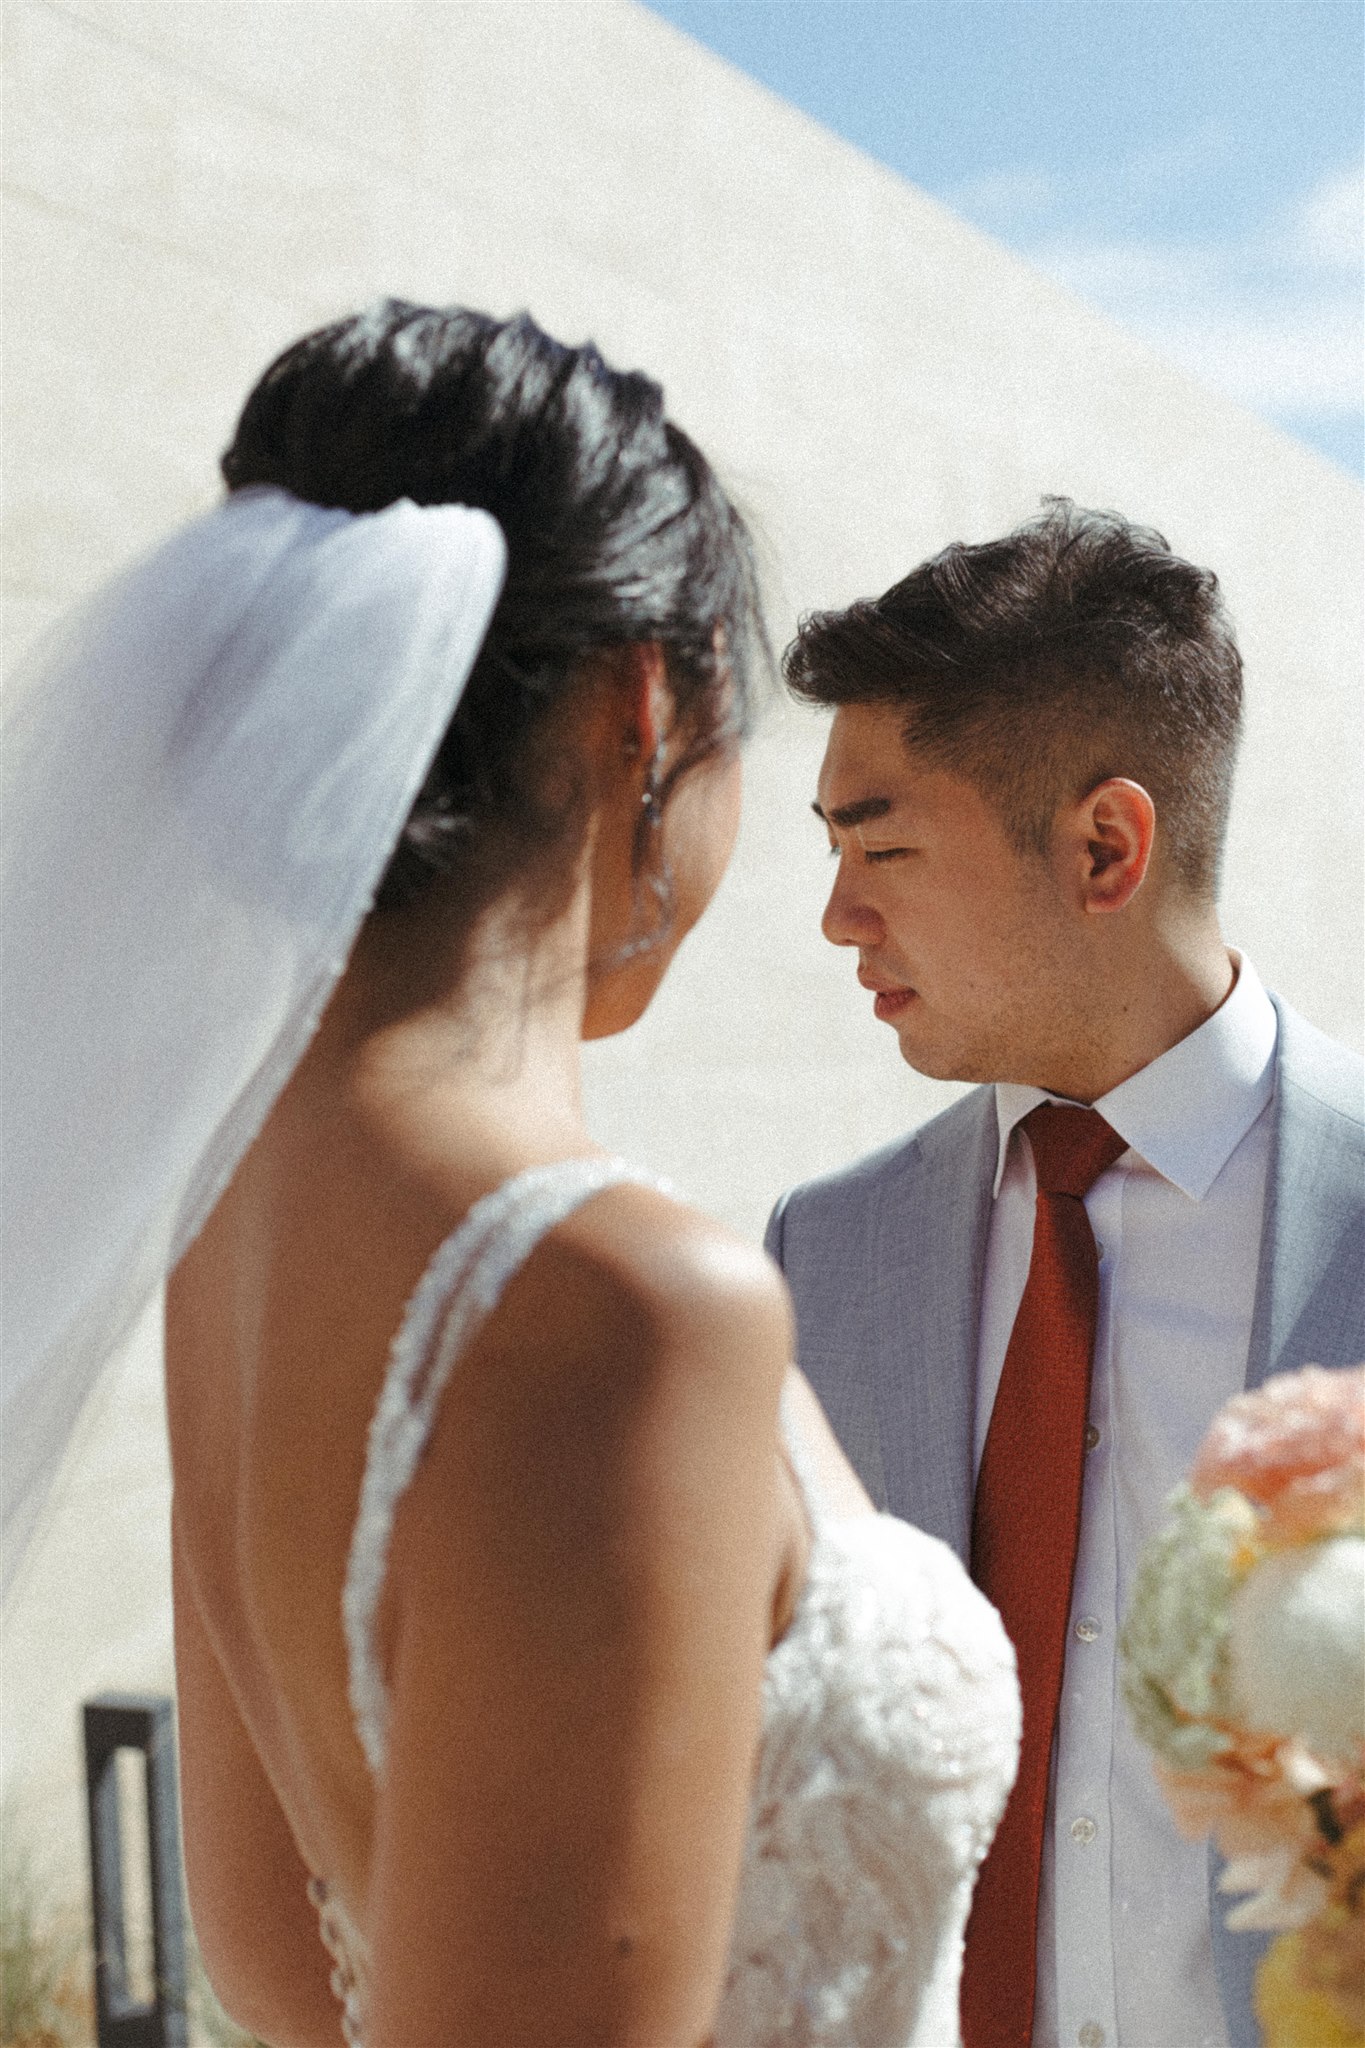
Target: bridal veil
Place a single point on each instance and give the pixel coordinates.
(202, 777)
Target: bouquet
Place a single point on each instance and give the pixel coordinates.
(1243, 1658)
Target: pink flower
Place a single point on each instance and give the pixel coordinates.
(1296, 1447)
(1253, 1796)
(1263, 1802)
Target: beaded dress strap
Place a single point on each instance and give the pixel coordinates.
(459, 1289)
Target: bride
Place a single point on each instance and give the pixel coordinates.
(545, 1676)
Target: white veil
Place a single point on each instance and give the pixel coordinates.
(202, 777)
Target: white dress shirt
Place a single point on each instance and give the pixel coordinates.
(1124, 1951)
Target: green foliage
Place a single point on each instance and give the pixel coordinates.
(210, 2026)
(1174, 1642)
(45, 1996)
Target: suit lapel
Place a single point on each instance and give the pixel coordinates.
(1298, 1248)
(928, 1257)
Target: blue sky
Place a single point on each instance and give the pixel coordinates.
(1192, 166)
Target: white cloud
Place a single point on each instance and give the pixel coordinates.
(1271, 317)
(1163, 169)
(1125, 271)
(1008, 202)
(1304, 358)
(1004, 200)
(1331, 220)
(1279, 336)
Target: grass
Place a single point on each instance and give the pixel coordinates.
(46, 1973)
(45, 1978)
(210, 2026)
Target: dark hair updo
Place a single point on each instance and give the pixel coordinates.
(617, 532)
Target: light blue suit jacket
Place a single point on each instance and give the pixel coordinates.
(885, 1262)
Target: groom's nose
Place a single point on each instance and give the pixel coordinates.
(849, 919)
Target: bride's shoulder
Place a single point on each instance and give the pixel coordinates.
(655, 1280)
(626, 1387)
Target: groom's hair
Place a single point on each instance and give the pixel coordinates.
(1076, 648)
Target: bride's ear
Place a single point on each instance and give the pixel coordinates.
(645, 697)
(625, 719)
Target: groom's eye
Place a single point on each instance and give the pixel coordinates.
(885, 853)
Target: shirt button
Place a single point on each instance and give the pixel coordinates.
(1092, 1436)
(1090, 2034)
(1088, 1629)
(1083, 1830)
(1099, 1248)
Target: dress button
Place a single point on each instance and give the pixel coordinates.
(1083, 1830)
(1088, 1629)
(1090, 2034)
(1092, 1436)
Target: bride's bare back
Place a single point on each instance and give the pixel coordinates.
(585, 1579)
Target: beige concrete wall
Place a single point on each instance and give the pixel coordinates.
(189, 186)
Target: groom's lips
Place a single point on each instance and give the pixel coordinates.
(891, 1000)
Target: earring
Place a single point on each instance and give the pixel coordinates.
(652, 876)
(651, 800)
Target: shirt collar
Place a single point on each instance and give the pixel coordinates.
(1187, 1111)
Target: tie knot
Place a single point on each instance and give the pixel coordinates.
(1071, 1147)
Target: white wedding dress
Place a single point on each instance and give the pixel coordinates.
(890, 1711)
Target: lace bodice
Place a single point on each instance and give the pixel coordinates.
(890, 1709)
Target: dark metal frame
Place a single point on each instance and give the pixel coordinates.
(145, 1723)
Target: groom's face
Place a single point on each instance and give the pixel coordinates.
(962, 940)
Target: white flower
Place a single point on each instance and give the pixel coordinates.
(1296, 1647)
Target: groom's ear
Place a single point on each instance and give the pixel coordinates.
(1105, 842)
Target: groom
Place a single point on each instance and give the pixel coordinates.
(1021, 1318)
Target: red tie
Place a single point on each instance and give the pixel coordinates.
(1024, 1529)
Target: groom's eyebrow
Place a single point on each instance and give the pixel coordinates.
(846, 816)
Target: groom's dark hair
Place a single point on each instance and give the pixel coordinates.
(1076, 648)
